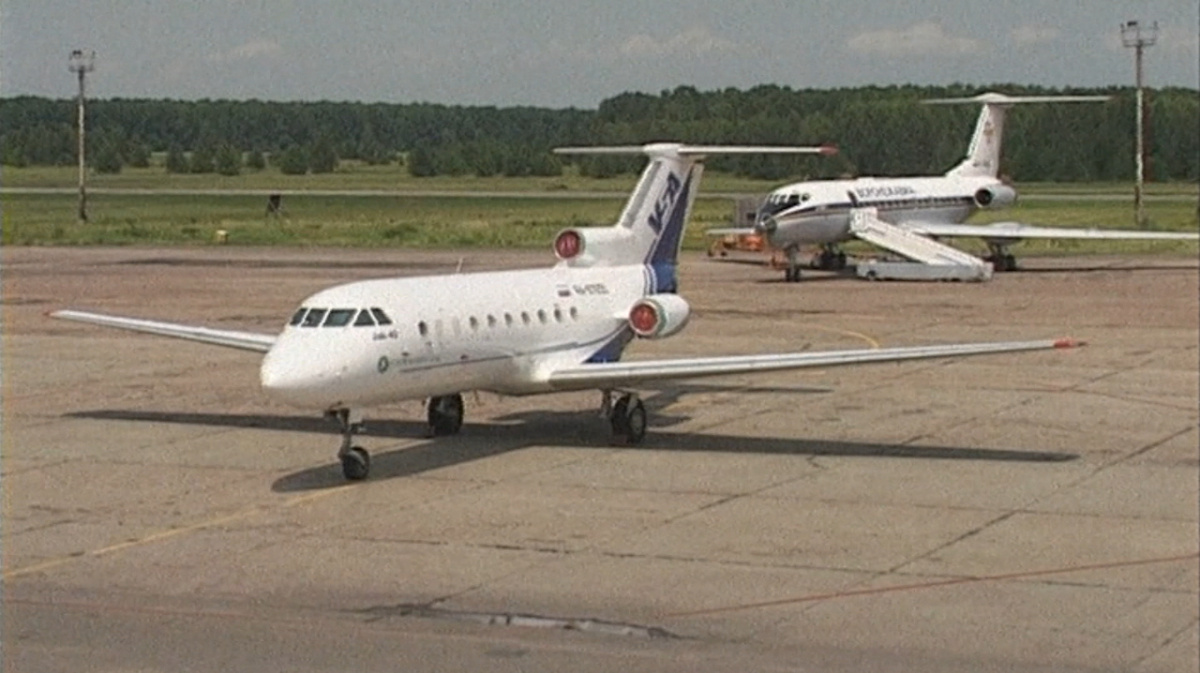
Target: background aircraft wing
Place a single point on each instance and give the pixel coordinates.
(619, 374)
(731, 231)
(1017, 230)
(248, 341)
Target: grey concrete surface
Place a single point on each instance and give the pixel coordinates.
(1032, 512)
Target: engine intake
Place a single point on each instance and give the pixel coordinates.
(658, 315)
(995, 196)
(583, 247)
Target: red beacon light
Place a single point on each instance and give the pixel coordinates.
(568, 245)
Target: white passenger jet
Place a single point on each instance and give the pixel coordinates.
(565, 327)
(906, 215)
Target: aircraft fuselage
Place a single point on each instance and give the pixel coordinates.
(498, 331)
(818, 212)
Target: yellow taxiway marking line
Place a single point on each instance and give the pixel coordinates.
(169, 533)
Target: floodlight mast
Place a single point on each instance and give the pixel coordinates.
(82, 62)
(1138, 37)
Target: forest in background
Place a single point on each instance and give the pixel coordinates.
(879, 130)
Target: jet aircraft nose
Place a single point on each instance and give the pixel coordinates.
(765, 224)
(297, 380)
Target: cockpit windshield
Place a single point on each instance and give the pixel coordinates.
(781, 201)
(339, 317)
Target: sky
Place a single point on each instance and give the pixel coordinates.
(573, 53)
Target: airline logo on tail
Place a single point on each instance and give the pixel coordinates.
(665, 203)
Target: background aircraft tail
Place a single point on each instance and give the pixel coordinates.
(650, 228)
(983, 155)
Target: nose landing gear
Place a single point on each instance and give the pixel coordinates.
(356, 462)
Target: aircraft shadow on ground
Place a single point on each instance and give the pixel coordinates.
(581, 429)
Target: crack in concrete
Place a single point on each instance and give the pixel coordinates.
(378, 613)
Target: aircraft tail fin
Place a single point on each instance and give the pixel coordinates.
(650, 228)
(983, 154)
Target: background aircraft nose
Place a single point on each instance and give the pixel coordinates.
(766, 224)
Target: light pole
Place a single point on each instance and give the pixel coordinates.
(82, 62)
(1133, 36)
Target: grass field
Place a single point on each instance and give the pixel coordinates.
(453, 221)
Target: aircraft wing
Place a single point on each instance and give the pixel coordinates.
(619, 374)
(731, 231)
(247, 341)
(1017, 230)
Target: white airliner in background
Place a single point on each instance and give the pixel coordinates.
(565, 327)
(906, 215)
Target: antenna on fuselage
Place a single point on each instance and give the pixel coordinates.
(983, 154)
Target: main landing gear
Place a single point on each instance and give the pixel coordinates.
(445, 418)
(445, 415)
(829, 259)
(627, 417)
(1001, 258)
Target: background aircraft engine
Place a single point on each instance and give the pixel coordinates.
(583, 247)
(658, 316)
(996, 196)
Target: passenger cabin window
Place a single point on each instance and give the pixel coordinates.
(491, 320)
(423, 328)
(525, 317)
(364, 319)
(380, 316)
(473, 322)
(313, 317)
(508, 319)
(298, 316)
(541, 316)
(338, 317)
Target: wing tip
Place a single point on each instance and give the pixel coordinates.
(1067, 342)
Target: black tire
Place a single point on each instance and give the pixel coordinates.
(356, 464)
(635, 422)
(446, 414)
(620, 420)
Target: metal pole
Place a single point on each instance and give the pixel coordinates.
(82, 162)
(81, 63)
(1133, 36)
(1140, 160)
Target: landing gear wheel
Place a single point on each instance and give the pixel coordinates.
(445, 414)
(628, 419)
(829, 259)
(792, 273)
(356, 463)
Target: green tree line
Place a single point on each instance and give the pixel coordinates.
(880, 131)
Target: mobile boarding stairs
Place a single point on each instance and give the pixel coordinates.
(930, 260)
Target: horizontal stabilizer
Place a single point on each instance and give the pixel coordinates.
(247, 341)
(680, 150)
(992, 98)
